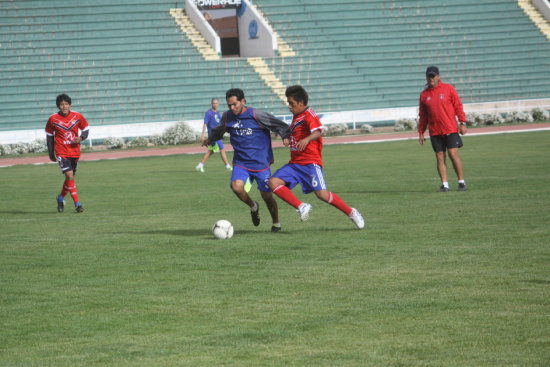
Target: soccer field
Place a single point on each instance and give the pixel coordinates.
(434, 279)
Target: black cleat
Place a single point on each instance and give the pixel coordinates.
(256, 215)
(60, 203)
(443, 189)
(275, 229)
(462, 187)
(79, 208)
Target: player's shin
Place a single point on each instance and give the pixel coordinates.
(335, 201)
(284, 193)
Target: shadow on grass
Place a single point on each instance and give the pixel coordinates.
(383, 191)
(26, 212)
(207, 233)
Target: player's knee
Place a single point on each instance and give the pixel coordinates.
(274, 182)
(237, 186)
(322, 195)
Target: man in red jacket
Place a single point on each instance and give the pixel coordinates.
(439, 104)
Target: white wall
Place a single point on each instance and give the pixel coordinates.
(359, 117)
(203, 26)
(264, 42)
(544, 7)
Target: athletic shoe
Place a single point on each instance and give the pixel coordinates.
(60, 203)
(275, 229)
(462, 187)
(78, 207)
(357, 218)
(256, 215)
(304, 211)
(443, 189)
(199, 168)
(229, 168)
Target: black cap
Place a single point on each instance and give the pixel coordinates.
(432, 71)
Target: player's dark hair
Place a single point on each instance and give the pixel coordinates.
(298, 93)
(63, 98)
(235, 92)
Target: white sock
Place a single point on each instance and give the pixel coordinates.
(461, 181)
(227, 165)
(446, 184)
(200, 165)
(255, 207)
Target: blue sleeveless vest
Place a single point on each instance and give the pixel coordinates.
(250, 141)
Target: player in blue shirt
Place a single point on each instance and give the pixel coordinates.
(212, 119)
(250, 135)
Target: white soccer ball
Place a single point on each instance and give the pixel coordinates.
(222, 229)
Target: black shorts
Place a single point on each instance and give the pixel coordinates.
(67, 164)
(441, 143)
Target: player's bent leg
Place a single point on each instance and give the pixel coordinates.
(271, 205)
(238, 188)
(334, 200)
(323, 195)
(274, 182)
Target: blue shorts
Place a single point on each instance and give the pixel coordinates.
(310, 176)
(67, 164)
(261, 178)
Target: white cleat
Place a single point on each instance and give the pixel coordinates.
(357, 218)
(200, 168)
(304, 211)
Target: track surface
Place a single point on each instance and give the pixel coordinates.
(195, 149)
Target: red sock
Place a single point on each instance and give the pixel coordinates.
(65, 189)
(72, 189)
(335, 200)
(284, 193)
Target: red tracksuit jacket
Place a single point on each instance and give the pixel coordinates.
(438, 107)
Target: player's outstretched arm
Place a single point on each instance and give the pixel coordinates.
(272, 123)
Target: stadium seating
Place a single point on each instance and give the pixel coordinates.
(129, 61)
(489, 50)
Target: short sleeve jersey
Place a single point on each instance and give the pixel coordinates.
(211, 119)
(302, 125)
(65, 130)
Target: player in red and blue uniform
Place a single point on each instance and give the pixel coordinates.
(306, 165)
(212, 119)
(63, 143)
(250, 135)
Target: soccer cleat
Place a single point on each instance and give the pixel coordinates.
(443, 189)
(304, 211)
(462, 187)
(199, 168)
(60, 203)
(255, 215)
(357, 218)
(78, 207)
(229, 168)
(275, 229)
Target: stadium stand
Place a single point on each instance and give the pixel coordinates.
(129, 62)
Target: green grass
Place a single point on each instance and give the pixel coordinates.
(453, 279)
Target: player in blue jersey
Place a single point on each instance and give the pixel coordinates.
(212, 119)
(250, 136)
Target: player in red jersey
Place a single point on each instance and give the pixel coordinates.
(306, 164)
(64, 146)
